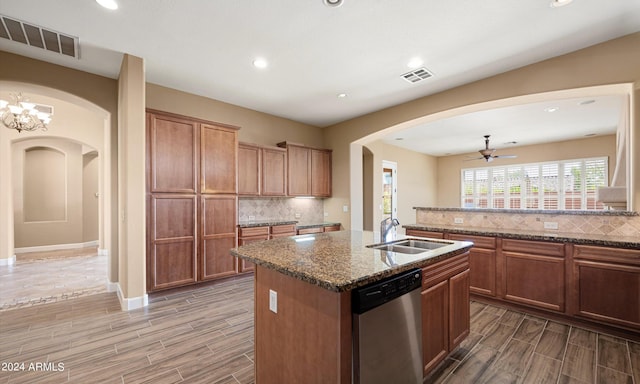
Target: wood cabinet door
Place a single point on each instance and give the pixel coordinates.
(244, 265)
(298, 171)
(172, 157)
(535, 280)
(274, 172)
(218, 234)
(320, 173)
(459, 309)
(171, 257)
(608, 292)
(482, 265)
(218, 159)
(435, 324)
(248, 170)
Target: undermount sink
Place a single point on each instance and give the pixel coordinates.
(410, 246)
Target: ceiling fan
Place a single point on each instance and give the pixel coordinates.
(487, 153)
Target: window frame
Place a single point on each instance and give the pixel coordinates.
(491, 192)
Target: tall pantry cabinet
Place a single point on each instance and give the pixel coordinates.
(191, 200)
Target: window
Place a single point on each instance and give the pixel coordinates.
(559, 185)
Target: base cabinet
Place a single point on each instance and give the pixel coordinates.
(248, 235)
(482, 263)
(445, 308)
(607, 285)
(534, 273)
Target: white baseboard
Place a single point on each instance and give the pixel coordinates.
(112, 287)
(103, 252)
(56, 247)
(128, 304)
(8, 261)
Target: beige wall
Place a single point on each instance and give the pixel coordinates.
(90, 196)
(47, 190)
(613, 62)
(255, 127)
(449, 167)
(416, 182)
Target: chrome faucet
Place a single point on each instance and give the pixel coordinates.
(385, 228)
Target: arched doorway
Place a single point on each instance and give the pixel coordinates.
(78, 123)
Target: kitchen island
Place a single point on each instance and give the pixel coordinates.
(303, 284)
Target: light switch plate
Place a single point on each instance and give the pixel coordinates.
(345, 208)
(458, 220)
(550, 225)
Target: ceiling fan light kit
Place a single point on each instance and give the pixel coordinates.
(487, 153)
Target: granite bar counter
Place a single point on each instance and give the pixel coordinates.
(340, 261)
(625, 242)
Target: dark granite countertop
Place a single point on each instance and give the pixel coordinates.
(315, 225)
(627, 242)
(339, 261)
(264, 223)
(533, 211)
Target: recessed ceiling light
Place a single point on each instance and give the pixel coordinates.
(260, 63)
(551, 109)
(341, 95)
(399, 138)
(332, 3)
(586, 102)
(109, 4)
(559, 3)
(416, 62)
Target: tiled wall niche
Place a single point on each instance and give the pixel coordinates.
(607, 223)
(311, 210)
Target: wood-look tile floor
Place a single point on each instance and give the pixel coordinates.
(506, 346)
(205, 335)
(45, 277)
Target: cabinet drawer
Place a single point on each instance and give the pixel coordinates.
(615, 255)
(430, 234)
(289, 229)
(331, 228)
(443, 270)
(533, 247)
(253, 231)
(478, 241)
(305, 231)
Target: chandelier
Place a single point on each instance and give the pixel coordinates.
(22, 115)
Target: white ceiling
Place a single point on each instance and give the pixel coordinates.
(315, 52)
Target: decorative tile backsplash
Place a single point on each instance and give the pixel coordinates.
(583, 223)
(310, 211)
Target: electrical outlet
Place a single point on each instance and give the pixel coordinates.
(550, 225)
(326, 214)
(273, 301)
(252, 218)
(297, 215)
(345, 208)
(458, 220)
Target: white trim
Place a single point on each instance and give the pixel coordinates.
(112, 287)
(128, 304)
(56, 247)
(103, 252)
(8, 261)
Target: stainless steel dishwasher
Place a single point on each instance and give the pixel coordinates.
(387, 331)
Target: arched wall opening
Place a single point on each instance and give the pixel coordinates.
(75, 120)
(357, 150)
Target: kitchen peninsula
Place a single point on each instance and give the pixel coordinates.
(303, 286)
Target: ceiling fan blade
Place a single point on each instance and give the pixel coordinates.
(469, 158)
(505, 156)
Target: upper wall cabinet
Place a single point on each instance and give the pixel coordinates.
(262, 171)
(218, 159)
(173, 147)
(308, 170)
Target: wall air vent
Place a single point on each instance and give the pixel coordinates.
(39, 37)
(417, 75)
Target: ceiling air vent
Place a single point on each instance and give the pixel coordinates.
(39, 37)
(417, 75)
